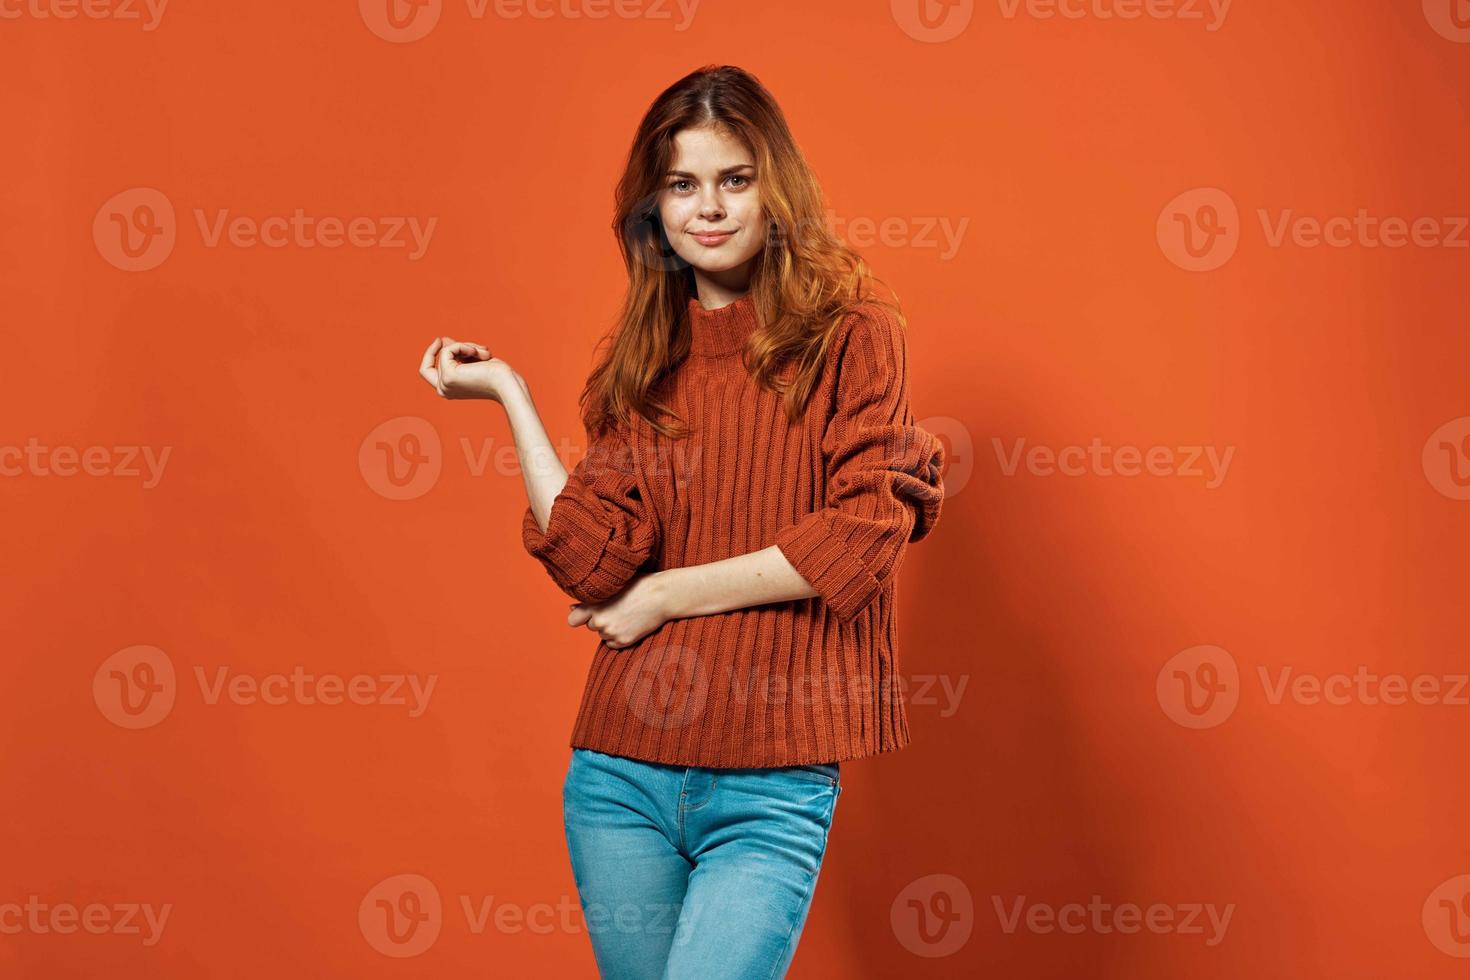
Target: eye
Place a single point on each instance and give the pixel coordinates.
(741, 177)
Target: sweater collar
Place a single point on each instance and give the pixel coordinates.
(722, 330)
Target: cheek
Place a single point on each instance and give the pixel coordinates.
(747, 213)
(755, 217)
(677, 215)
(753, 229)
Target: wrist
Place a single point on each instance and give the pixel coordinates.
(511, 386)
(668, 594)
(514, 395)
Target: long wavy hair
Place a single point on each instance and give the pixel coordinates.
(804, 281)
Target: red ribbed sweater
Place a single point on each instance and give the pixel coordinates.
(840, 493)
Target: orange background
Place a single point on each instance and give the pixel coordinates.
(270, 544)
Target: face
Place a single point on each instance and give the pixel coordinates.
(710, 207)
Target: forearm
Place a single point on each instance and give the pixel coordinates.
(541, 468)
(751, 579)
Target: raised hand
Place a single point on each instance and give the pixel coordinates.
(458, 369)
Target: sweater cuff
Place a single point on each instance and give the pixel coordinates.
(569, 550)
(843, 582)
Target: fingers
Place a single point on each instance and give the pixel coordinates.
(467, 346)
(584, 614)
(469, 351)
(426, 367)
(446, 362)
(441, 356)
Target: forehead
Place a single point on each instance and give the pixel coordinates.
(704, 149)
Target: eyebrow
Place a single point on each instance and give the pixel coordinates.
(727, 170)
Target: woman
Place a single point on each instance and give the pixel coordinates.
(732, 536)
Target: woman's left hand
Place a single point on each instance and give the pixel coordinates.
(460, 369)
(627, 617)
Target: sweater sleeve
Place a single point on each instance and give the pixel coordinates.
(601, 528)
(883, 475)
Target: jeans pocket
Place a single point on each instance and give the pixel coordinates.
(826, 772)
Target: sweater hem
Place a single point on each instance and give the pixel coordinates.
(754, 760)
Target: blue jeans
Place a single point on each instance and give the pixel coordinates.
(685, 872)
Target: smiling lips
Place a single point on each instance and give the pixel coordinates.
(713, 238)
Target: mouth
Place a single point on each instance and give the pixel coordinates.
(712, 238)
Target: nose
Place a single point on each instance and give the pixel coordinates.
(710, 208)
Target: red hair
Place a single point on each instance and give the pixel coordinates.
(804, 280)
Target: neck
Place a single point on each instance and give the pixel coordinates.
(716, 289)
(722, 330)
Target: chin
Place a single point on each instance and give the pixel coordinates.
(719, 263)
